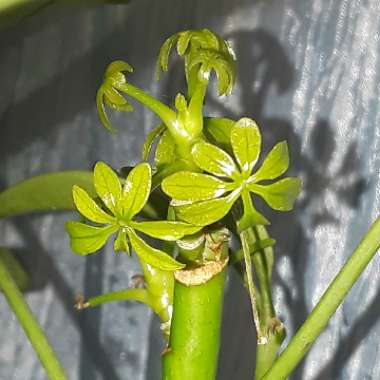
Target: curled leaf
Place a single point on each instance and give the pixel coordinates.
(152, 135)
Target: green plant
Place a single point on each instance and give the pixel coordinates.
(206, 170)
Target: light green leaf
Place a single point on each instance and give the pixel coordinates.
(192, 187)
(214, 160)
(121, 243)
(158, 131)
(152, 256)
(165, 230)
(136, 190)
(280, 195)
(107, 185)
(88, 207)
(275, 164)
(220, 130)
(87, 239)
(246, 143)
(165, 151)
(206, 212)
(163, 55)
(48, 192)
(114, 96)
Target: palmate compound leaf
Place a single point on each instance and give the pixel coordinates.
(87, 239)
(275, 163)
(152, 256)
(246, 143)
(214, 160)
(89, 208)
(136, 190)
(280, 195)
(193, 187)
(107, 186)
(206, 212)
(165, 230)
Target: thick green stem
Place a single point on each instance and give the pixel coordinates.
(195, 332)
(30, 325)
(327, 305)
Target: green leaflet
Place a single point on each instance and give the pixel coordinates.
(87, 239)
(206, 212)
(275, 164)
(165, 151)
(159, 130)
(88, 207)
(107, 186)
(279, 195)
(214, 160)
(48, 192)
(151, 255)
(246, 144)
(165, 230)
(220, 130)
(193, 187)
(136, 190)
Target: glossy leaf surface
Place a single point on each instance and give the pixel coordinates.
(136, 190)
(193, 187)
(206, 212)
(89, 208)
(107, 186)
(152, 256)
(121, 243)
(48, 192)
(213, 160)
(165, 230)
(246, 143)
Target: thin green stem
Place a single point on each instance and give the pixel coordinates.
(327, 305)
(31, 327)
(139, 295)
(261, 339)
